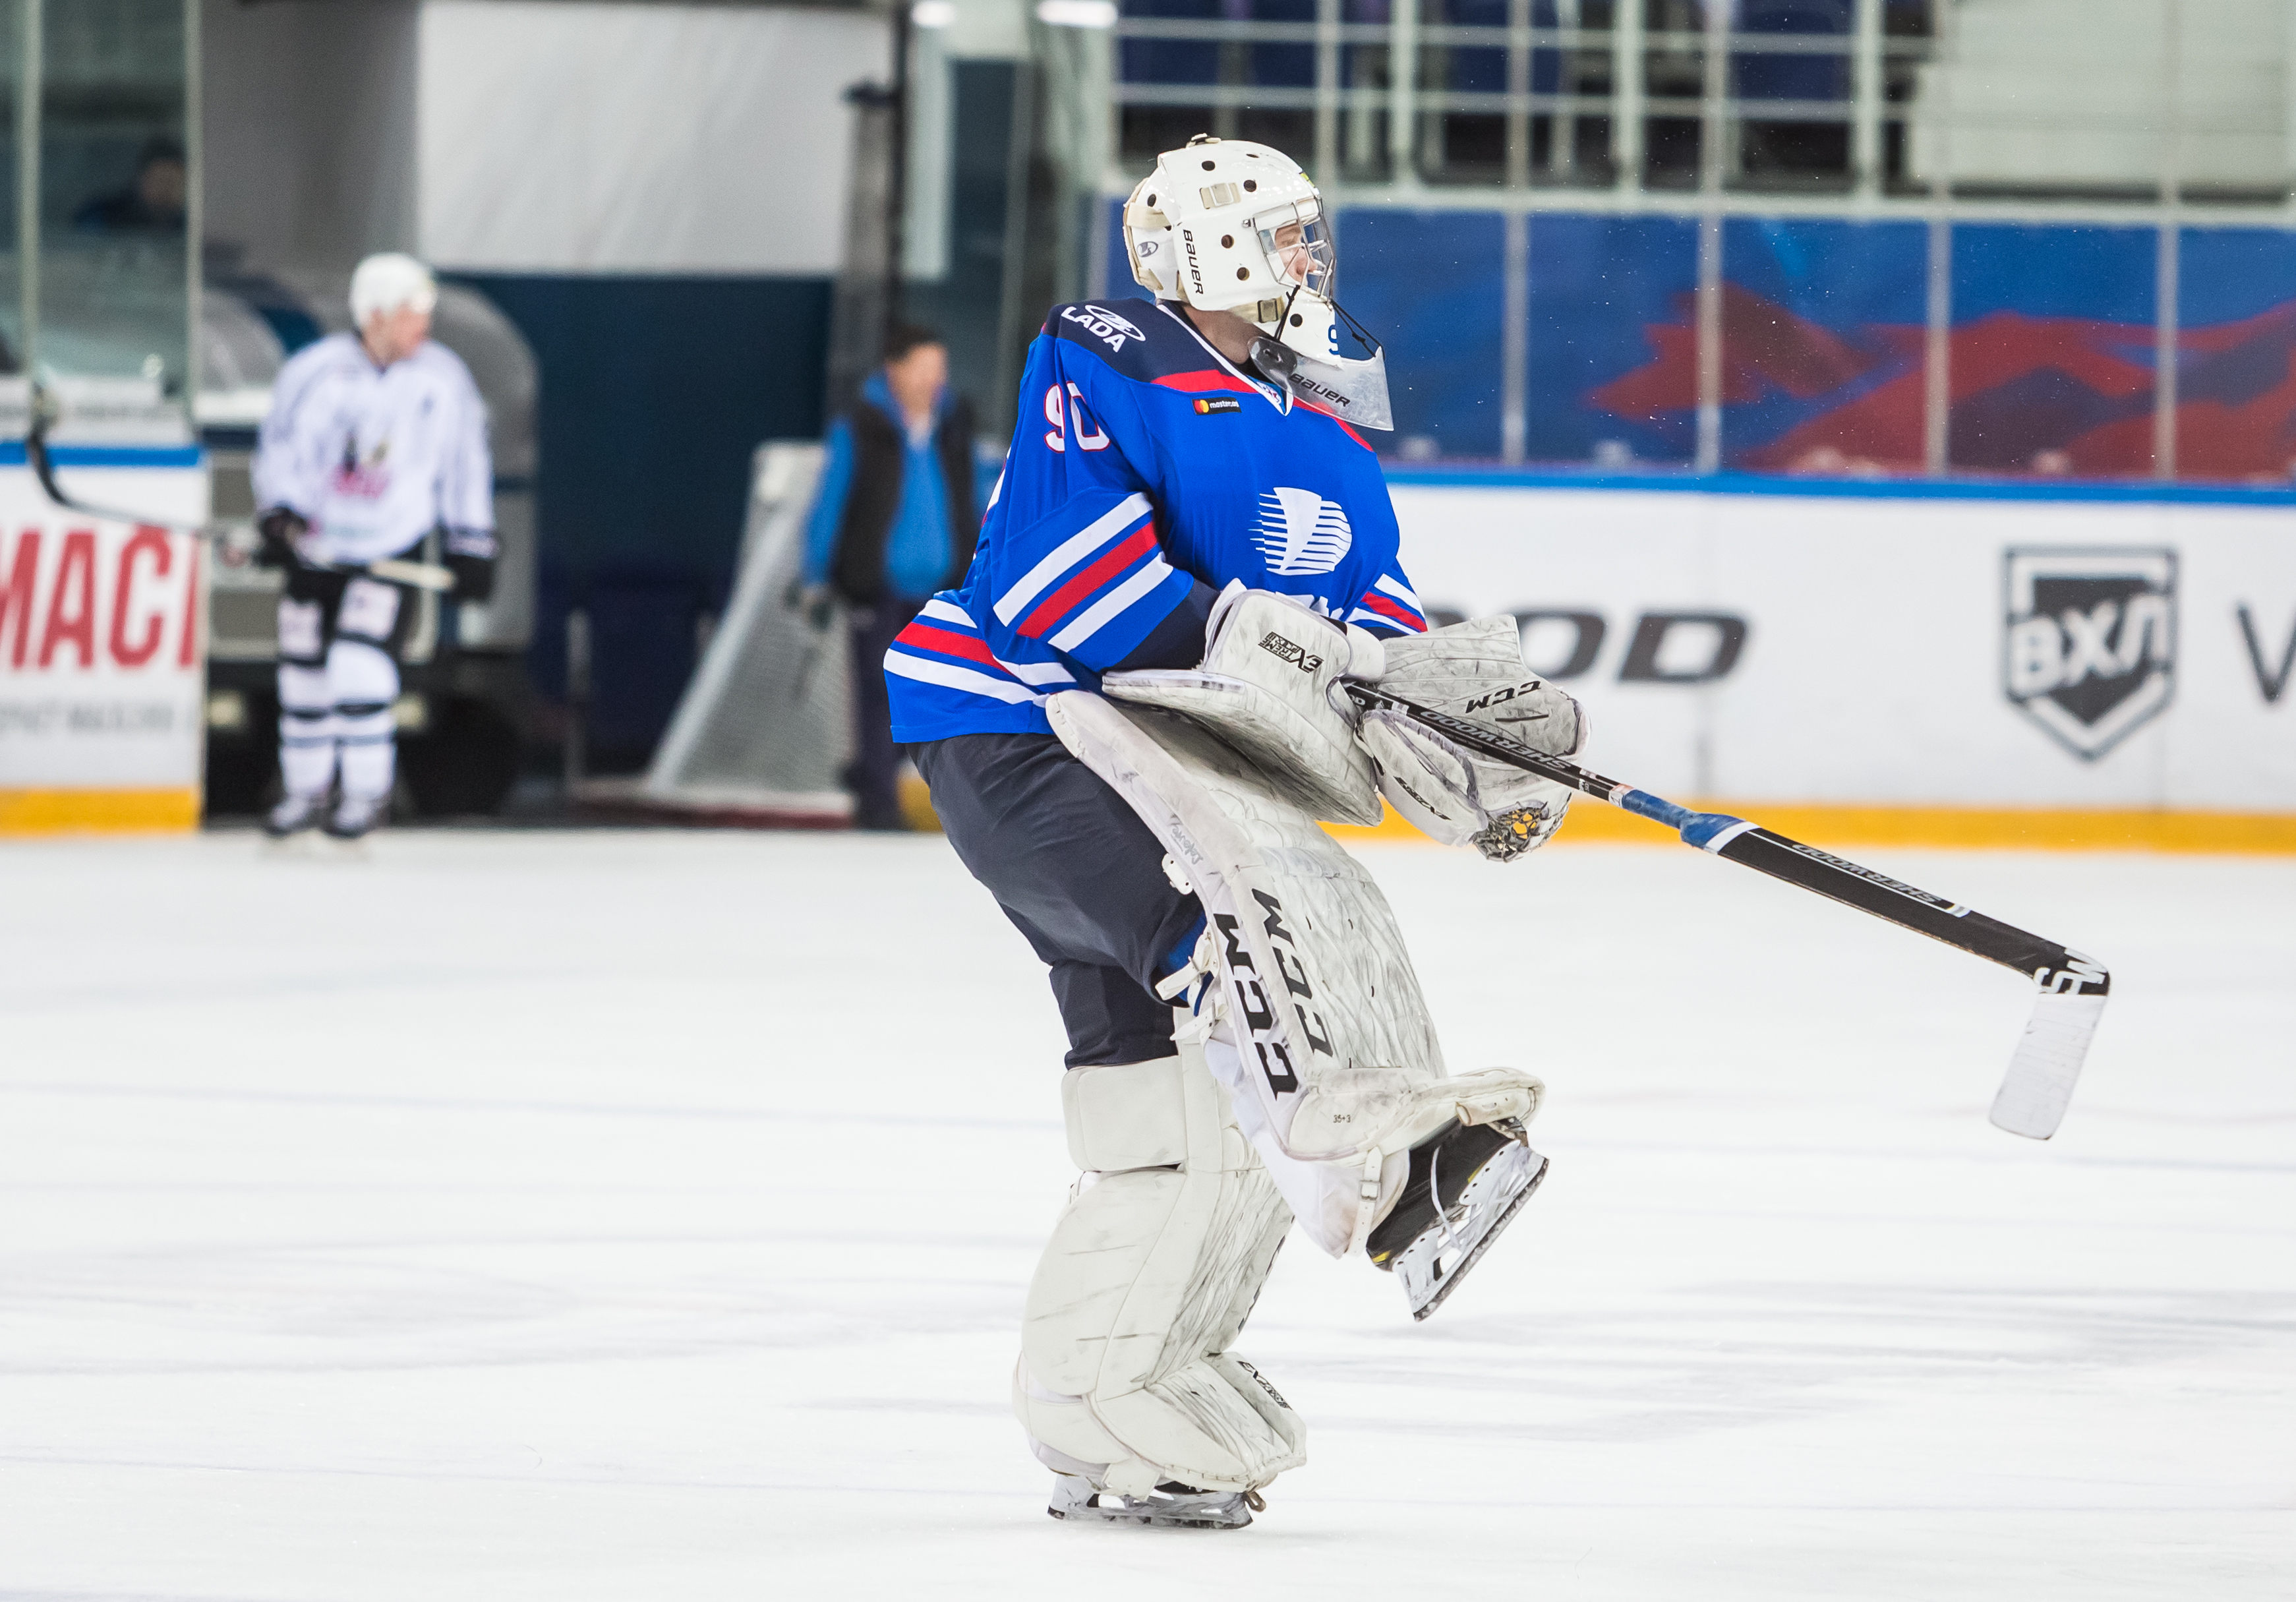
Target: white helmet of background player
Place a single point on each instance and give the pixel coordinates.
(1226, 225)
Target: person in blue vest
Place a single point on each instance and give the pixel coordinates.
(895, 520)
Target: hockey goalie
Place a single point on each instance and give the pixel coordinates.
(1133, 717)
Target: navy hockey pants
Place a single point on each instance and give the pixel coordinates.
(1079, 874)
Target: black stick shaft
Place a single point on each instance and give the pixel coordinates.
(2052, 966)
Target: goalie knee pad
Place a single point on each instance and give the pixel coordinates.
(1302, 969)
(1125, 1377)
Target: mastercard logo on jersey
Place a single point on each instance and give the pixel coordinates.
(1205, 405)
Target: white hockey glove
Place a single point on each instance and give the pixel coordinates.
(1269, 687)
(1473, 671)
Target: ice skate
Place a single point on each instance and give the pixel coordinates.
(293, 816)
(1171, 1506)
(354, 819)
(1483, 1174)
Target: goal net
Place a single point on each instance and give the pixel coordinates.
(765, 728)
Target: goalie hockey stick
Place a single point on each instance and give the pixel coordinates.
(2073, 988)
(416, 575)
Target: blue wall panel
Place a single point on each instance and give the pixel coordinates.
(1822, 344)
(1427, 284)
(1604, 291)
(2052, 348)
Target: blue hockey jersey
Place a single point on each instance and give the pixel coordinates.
(1143, 459)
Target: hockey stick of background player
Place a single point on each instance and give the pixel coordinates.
(417, 575)
(2039, 1084)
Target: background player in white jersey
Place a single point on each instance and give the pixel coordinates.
(373, 439)
(1189, 521)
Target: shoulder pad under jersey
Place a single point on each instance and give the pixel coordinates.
(1137, 338)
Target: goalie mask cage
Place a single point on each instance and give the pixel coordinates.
(765, 730)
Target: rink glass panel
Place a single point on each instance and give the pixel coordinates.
(108, 319)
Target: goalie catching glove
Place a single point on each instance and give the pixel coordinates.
(1473, 671)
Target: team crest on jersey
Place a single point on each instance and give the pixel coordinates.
(1300, 531)
(1102, 324)
(2090, 639)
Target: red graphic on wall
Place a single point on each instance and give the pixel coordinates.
(2039, 395)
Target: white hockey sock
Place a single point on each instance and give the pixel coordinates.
(306, 730)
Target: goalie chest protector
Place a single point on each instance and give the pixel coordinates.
(1142, 460)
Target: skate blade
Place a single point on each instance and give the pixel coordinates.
(1431, 1266)
(1075, 1501)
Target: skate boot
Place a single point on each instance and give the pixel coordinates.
(1171, 1506)
(292, 816)
(354, 816)
(1483, 1174)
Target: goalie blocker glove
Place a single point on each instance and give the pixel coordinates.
(1473, 671)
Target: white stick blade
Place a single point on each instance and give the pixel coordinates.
(2039, 1084)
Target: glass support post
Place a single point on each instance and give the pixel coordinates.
(1714, 109)
(2168, 259)
(1518, 90)
(1328, 91)
(1402, 93)
(1865, 129)
(28, 112)
(1626, 93)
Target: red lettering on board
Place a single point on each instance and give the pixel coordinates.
(123, 590)
(79, 628)
(189, 654)
(16, 598)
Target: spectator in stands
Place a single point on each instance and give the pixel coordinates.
(152, 204)
(895, 521)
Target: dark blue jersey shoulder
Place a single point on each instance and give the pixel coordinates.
(1137, 339)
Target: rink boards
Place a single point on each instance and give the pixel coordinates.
(1932, 663)
(101, 664)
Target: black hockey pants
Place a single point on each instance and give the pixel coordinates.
(1079, 874)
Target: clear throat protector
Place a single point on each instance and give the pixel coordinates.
(1313, 348)
(1352, 388)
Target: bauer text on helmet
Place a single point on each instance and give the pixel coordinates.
(1227, 225)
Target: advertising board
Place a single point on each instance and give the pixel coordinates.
(101, 665)
(1886, 646)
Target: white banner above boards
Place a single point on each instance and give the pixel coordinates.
(101, 661)
(1895, 649)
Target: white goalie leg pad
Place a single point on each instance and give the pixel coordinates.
(1337, 1054)
(1125, 1376)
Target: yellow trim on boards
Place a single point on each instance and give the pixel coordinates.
(1954, 828)
(98, 811)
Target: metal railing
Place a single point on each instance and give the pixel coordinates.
(1654, 120)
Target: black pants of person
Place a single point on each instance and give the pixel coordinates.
(873, 775)
(1079, 875)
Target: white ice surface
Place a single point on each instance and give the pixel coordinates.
(585, 1216)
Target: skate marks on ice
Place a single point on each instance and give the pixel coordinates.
(661, 1226)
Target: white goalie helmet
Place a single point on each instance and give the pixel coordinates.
(1225, 224)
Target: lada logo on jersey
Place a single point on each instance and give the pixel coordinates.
(1102, 324)
(2089, 647)
(1284, 650)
